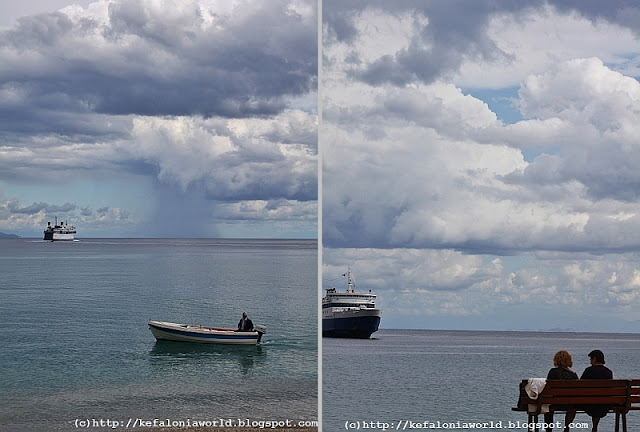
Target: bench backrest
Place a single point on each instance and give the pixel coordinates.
(618, 392)
(634, 393)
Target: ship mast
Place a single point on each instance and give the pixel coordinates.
(349, 282)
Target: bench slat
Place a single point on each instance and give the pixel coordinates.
(582, 400)
(587, 383)
(603, 391)
(572, 399)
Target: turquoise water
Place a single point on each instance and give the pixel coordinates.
(75, 342)
(450, 376)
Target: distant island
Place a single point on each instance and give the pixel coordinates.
(3, 235)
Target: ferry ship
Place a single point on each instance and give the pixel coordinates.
(57, 232)
(349, 314)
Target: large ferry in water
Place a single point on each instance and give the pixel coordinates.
(57, 232)
(349, 314)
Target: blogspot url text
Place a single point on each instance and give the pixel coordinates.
(167, 423)
(455, 425)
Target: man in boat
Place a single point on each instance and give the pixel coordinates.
(245, 323)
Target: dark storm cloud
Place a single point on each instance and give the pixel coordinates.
(262, 182)
(19, 125)
(455, 31)
(150, 63)
(605, 175)
(622, 12)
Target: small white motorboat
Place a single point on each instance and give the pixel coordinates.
(190, 333)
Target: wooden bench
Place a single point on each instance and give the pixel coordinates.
(622, 395)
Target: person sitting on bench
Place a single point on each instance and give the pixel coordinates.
(597, 370)
(562, 370)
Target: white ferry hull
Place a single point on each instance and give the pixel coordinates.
(63, 237)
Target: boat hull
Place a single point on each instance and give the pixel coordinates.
(58, 236)
(197, 334)
(351, 324)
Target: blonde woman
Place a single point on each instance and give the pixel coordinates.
(562, 363)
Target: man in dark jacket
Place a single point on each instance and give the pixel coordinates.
(597, 370)
(245, 323)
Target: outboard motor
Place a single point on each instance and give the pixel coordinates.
(261, 330)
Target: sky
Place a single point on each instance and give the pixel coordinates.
(158, 118)
(481, 161)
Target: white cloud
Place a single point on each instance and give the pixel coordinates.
(243, 158)
(600, 108)
(540, 38)
(581, 90)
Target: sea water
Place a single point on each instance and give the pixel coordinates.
(75, 348)
(455, 380)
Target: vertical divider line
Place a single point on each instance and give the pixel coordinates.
(319, 176)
